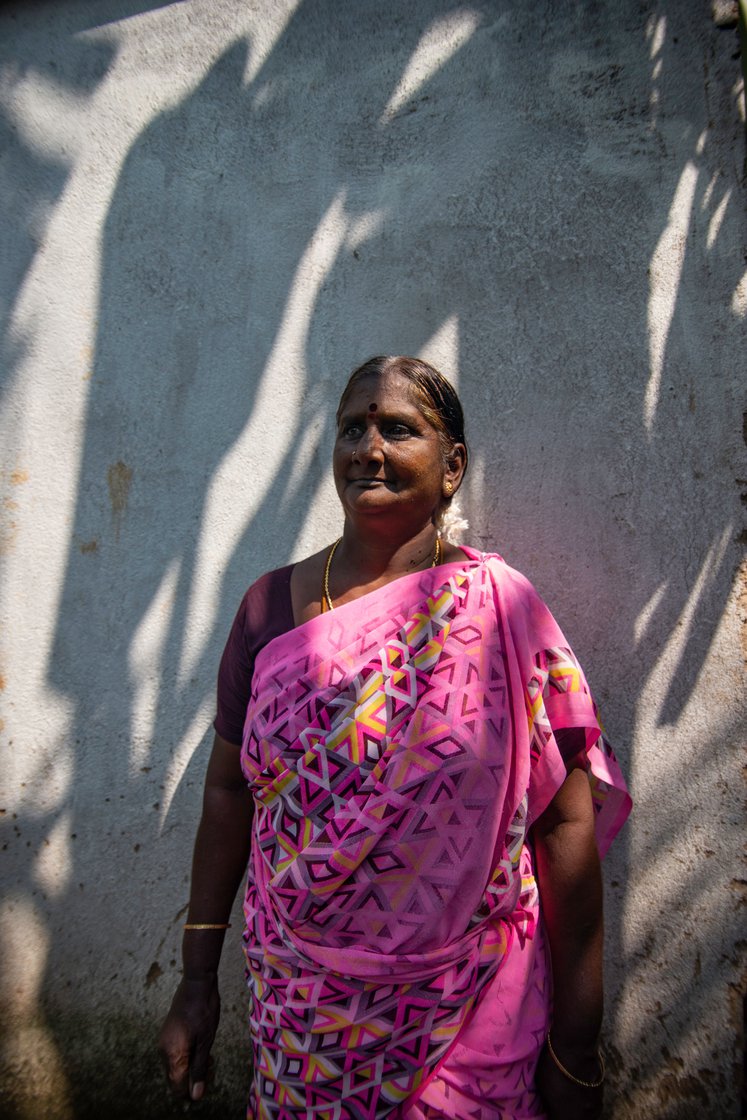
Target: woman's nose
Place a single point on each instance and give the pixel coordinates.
(370, 444)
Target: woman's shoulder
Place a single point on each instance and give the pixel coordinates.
(511, 581)
(276, 594)
(268, 584)
(492, 560)
(530, 619)
(267, 598)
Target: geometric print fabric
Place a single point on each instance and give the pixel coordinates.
(391, 776)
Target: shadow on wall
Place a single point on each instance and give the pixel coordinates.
(299, 222)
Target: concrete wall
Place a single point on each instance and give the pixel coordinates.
(212, 211)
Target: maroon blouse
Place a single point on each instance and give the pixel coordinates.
(266, 612)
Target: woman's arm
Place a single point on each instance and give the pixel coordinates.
(570, 886)
(220, 857)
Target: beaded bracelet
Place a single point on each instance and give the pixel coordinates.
(569, 1075)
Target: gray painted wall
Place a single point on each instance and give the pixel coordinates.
(212, 211)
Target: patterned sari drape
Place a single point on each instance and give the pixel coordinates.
(399, 749)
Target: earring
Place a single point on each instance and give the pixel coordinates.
(449, 488)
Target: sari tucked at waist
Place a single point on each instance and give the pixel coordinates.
(399, 748)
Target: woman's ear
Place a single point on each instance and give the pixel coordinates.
(456, 465)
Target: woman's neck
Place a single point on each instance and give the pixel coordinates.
(373, 555)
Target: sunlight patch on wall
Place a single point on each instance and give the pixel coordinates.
(52, 328)
(49, 119)
(35, 1083)
(440, 42)
(30, 1060)
(249, 468)
(182, 755)
(738, 94)
(145, 660)
(442, 349)
(656, 688)
(42, 425)
(265, 34)
(25, 943)
(656, 32)
(647, 612)
(705, 202)
(39, 764)
(665, 271)
(739, 298)
(365, 228)
(54, 863)
(714, 225)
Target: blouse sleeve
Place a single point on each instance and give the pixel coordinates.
(234, 680)
(558, 697)
(266, 611)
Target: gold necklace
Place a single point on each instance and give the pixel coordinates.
(326, 599)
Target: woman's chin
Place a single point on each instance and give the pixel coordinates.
(381, 496)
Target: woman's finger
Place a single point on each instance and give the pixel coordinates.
(175, 1057)
(199, 1069)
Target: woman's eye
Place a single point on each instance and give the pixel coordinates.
(398, 431)
(352, 431)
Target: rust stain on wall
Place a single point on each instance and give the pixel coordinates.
(119, 477)
(9, 528)
(8, 535)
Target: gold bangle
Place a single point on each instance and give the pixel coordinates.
(569, 1075)
(207, 925)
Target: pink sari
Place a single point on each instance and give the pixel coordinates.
(399, 748)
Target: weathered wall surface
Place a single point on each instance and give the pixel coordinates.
(212, 211)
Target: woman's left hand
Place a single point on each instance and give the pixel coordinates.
(563, 1099)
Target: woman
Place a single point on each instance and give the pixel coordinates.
(415, 739)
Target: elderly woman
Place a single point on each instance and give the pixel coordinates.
(408, 758)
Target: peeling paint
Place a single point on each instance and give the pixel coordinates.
(154, 973)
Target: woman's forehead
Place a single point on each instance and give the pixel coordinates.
(381, 392)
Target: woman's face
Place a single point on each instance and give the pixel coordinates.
(388, 459)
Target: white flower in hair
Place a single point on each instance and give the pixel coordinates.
(451, 523)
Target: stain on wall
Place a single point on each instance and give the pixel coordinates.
(119, 479)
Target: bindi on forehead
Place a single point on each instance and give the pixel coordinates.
(373, 406)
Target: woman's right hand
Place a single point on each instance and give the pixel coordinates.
(187, 1035)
